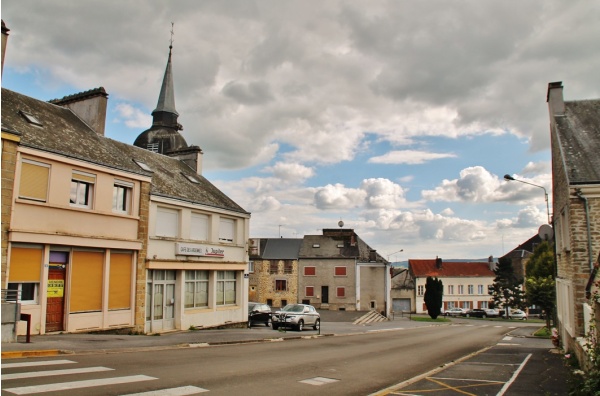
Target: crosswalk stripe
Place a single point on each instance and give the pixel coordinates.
(27, 390)
(33, 364)
(181, 391)
(48, 373)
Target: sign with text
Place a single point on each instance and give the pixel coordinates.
(192, 249)
(56, 288)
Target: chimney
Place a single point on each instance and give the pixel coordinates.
(372, 255)
(89, 106)
(191, 156)
(554, 97)
(5, 31)
(438, 262)
(491, 263)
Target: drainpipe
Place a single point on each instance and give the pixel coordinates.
(593, 269)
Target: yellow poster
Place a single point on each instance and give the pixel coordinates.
(56, 287)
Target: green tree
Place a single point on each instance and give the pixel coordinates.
(542, 292)
(541, 262)
(434, 292)
(506, 291)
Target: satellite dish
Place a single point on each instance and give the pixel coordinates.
(546, 232)
(340, 223)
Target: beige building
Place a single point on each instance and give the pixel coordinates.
(466, 284)
(575, 137)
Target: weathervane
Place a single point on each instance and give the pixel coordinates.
(172, 33)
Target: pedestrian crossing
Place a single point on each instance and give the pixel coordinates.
(79, 384)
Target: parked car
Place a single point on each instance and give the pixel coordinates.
(454, 312)
(258, 313)
(517, 314)
(492, 313)
(296, 316)
(475, 313)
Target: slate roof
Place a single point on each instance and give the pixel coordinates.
(525, 249)
(337, 244)
(63, 133)
(281, 248)
(578, 134)
(423, 268)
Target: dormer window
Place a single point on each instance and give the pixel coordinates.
(316, 245)
(143, 166)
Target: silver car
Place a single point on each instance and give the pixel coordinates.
(296, 316)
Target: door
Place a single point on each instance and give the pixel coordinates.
(162, 300)
(324, 294)
(55, 301)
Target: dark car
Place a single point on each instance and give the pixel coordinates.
(475, 313)
(258, 313)
(297, 316)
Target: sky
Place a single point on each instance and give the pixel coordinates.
(399, 118)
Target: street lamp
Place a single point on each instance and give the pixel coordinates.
(391, 254)
(510, 178)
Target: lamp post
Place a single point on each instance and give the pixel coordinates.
(510, 178)
(391, 254)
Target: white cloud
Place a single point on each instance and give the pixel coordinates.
(475, 184)
(287, 172)
(132, 116)
(412, 157)
(339, 197)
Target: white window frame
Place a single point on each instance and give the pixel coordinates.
(421, 290)
(193, 280)
(226, 230)
(199, 229)
(81, 186)
(461, 289)
(36, 288)
(470, 289)
(450, 289)
(167, 222)
(122, 202)
(226, 288)
(479, 289)
(251, 267)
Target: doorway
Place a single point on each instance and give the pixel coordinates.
(160, 301)
(55, 296)
(324, 294)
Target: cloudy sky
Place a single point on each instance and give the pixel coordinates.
(398, 117)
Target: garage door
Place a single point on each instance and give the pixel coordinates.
(401, 304)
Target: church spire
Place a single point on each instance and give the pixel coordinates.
(165, 113)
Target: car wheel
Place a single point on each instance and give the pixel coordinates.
(249, 324)
(484, 316)
(317, 324)
(275, 326)
(300, 325)
(268, 323)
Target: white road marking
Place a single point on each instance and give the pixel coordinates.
(181, 391)
(318, 381)
(514, 376)
(35, 374)
(32, 364)
(26, 390)
(507, 338)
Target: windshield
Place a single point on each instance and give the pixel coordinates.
(293, 308)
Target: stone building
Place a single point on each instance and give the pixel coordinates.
(575, 138)
(273, 277)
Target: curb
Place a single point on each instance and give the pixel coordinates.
(23, 354)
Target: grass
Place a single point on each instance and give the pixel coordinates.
(440, 319)
(543, 333)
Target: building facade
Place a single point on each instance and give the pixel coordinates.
(466, 284)
(575, 138)
(339, 271)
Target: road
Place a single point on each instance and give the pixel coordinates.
(345, 365)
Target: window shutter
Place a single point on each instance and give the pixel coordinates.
(34, 181)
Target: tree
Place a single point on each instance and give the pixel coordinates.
(541, 262)
(542, 292)
(506, 291)
(434, 292)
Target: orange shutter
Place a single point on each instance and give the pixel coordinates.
(25, 264)
(119, 287)
(86, 281)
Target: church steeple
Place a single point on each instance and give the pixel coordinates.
(166, 99)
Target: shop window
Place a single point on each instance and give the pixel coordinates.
(86, 281)
(226, 287)
(196, 289)
(34, 180)
(119, 286)
(82, 189)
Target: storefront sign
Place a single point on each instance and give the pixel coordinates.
(189, 249)
(56, 288)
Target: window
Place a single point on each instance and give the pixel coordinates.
(310, 271)
(420, 290)
(466, 305)
(451, 305)
(152, 147)
(273, 267)
(251, 267)
(199, 227)
(340, 271)
(226, 228)
(340, 292)
(27, 293)
(461, 289)
(196, 289)
(309, 291)
(31, 119)
(82, 189)
(226, 289)
(167, 222)
(483, 304)
(479, 289)
(470, 289)
(563, 238)
(122, 196)
(281, 285)
(34, 180)
(450, 289)
(288, 267)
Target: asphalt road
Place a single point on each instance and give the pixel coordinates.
(347, 365)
